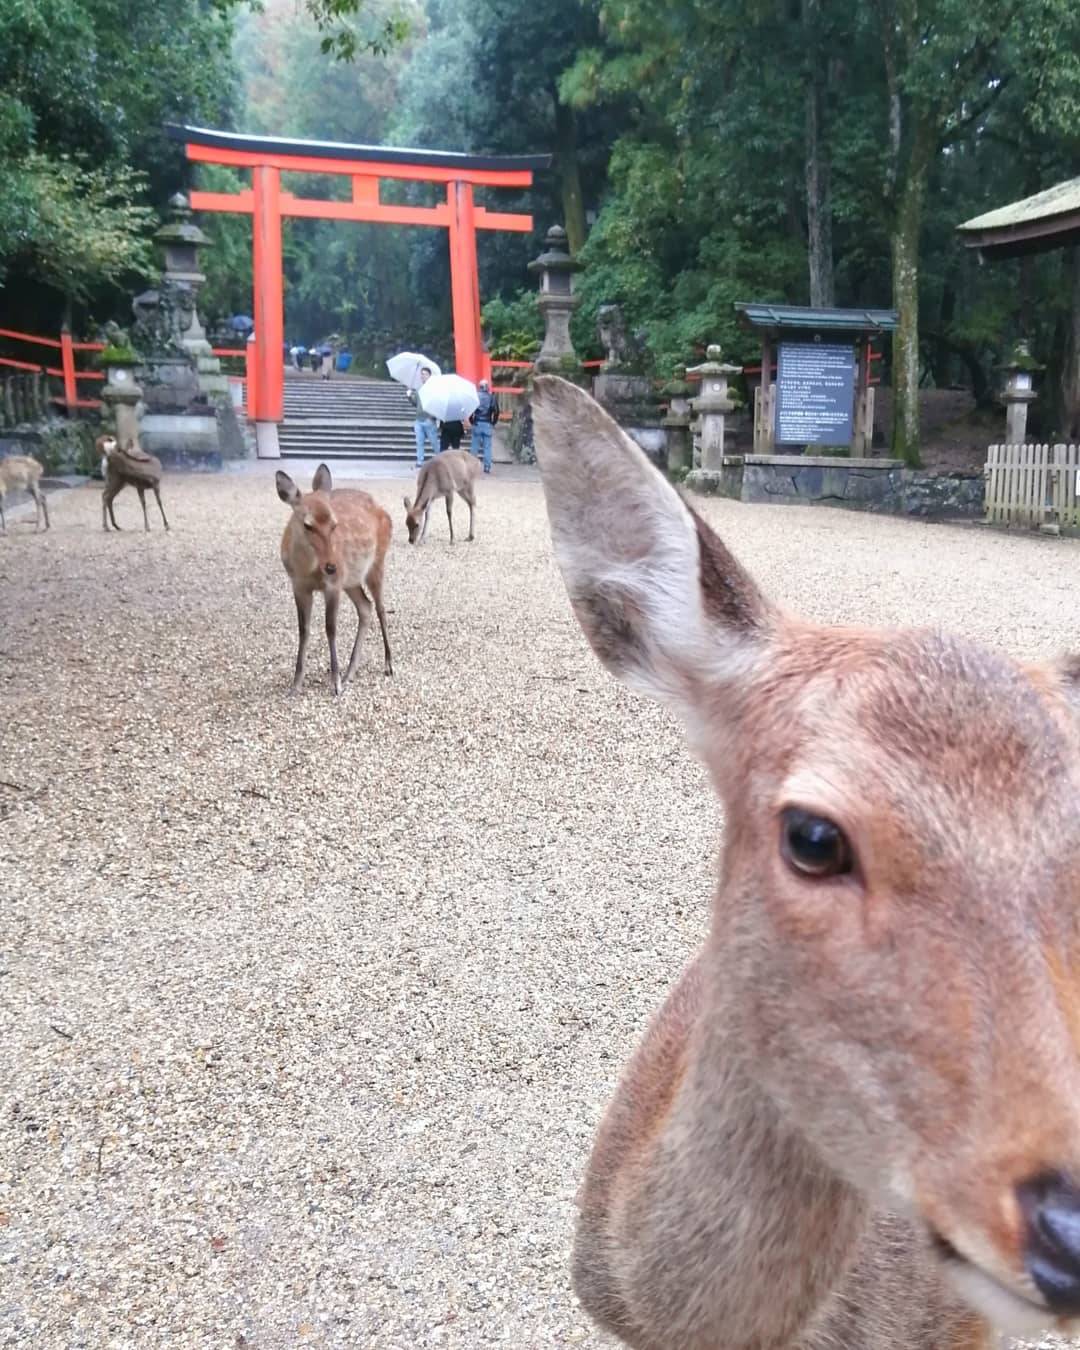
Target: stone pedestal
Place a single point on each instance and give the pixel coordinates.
(677, 422)
(266, 440)
(122, 395)
(711, 406)
(631, 400)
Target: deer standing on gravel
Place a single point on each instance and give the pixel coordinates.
(449, 472)
(855, 1123)
(23, 471)
(336, 540)
(130, 465)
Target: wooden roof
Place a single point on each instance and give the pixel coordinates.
(781, 317)
(1048, 220)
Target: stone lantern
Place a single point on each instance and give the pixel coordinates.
(555, 268)
(677, 421)
(1018, 392)
(712, 404)
(181, 239)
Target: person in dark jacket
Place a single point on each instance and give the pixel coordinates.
(450, 435)
(483, 423)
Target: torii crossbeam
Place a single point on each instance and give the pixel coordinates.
(267, 157)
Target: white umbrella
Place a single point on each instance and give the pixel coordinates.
(406, 368)
(450, 398)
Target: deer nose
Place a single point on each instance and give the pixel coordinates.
(330, 569)
(1051, 1207)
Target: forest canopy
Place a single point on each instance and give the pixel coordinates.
(805, 151)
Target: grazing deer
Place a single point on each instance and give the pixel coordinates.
(449, 472)
(336, 540)
(23, 471)
(855, 1123)
(119, 468)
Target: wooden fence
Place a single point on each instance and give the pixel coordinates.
(66, 370)
(1033, 485)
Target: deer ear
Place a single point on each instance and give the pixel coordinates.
(661, 600)
(322, 482)
(408, 503)
(286, 489)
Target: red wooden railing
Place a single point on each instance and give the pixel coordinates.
(527, 365)
(66, 371)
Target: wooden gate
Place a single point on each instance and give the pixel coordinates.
(1037, 486)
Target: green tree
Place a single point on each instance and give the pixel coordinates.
(84, 92)
(946, 64)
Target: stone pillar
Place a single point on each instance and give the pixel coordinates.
(555, 268)
(122, 395)
(1018, 392)
(677, 421)
(712, 404)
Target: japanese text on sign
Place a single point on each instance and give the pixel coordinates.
(815, 392)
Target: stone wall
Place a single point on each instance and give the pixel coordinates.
(858, 484)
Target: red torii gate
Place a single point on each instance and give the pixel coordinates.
(268, 157)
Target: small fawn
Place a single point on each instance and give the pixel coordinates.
(855, 1123)
(336, 540)
(131, 465)
(449, 472)
(23, 471)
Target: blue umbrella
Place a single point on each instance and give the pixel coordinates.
(240, 323)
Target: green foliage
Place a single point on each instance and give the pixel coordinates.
(80, 228)
(84, 93)
(514, 328)
(118, 356)
(227, 263)
(346, 35)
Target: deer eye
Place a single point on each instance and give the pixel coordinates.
(309, 525)
(812, 845)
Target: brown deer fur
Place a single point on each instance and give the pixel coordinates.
(449, 472)
(23, 471)
(830, 1135)
(121, 467)
(336, 541)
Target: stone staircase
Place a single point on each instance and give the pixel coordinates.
(345, 417)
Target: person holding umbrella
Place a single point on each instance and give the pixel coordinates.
(452, 400)
(413, 370)
(326, 352)
(424, 425)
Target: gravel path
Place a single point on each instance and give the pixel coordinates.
(308, 1008)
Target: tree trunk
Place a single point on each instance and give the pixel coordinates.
(906, 229)
(569, 171)
(1070, 382)
(818, 184)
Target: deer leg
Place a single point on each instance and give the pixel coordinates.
(40, 502)
(3, 520)
(142, 502)
(332, 598)
(303, 623)
(450, 514)
(427, 512)
(363, 619)
(157, 494)
(374, 585)
(470, 500)
(107, 505)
